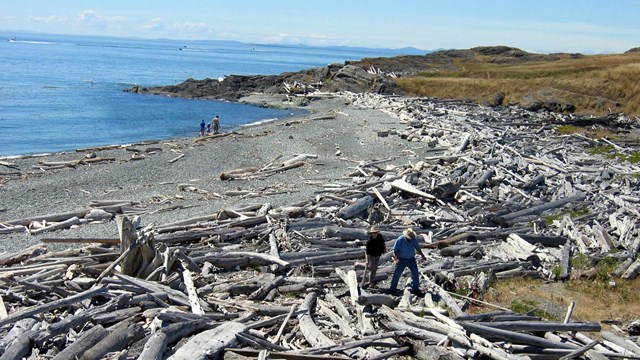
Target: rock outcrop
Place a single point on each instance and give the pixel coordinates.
(231, 88)
(331, 78)
(546, 100)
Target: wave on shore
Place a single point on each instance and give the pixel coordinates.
(257, 123)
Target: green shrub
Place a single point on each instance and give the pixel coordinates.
(605, 267)
(580, 261)
(601, 150)
(572, 214)
(528, 306)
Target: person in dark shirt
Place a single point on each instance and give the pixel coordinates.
(374, 249)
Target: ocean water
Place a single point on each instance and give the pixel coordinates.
(61, 93)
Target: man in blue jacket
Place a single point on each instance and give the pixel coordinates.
(404, 255)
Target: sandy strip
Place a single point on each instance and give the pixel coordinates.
(159, 185)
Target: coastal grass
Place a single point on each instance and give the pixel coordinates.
(595, 84)
(590, 132)
(598, 299)
(572, 214)
(521, 306)
(610, 152)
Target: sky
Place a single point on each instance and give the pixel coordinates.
(586, 26)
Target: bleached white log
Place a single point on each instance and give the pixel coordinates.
(632, 271)
(298, 158)
(356, 208)
(490, 350)
(57, 226)
(538, 209)
(309, 329)
(406, 187)
(154, 347)
(451, 302)
(463, 144)
(623, 343)
(269, 258)
(210, 343)
(11, 229)
(343, 324)
(344, 327)
(365, 325)
(381, 198)
(425, 323)
(339, 306)
(49, 218)
(194, 300)
(416, 331)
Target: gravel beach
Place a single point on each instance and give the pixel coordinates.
(159, 185)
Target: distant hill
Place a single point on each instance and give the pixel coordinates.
(389, 51)
(377, 51)
(451, 59)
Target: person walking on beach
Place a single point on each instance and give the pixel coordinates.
(216, 124)
(404, 255)
(202, 124)
(374, 249)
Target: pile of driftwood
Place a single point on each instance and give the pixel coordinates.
(254, 282)
(283, 283)
(507, 171)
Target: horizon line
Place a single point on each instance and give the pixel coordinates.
(426, 51)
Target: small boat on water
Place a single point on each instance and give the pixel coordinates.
(12, 39)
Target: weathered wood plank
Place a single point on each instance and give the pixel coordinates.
(210, 343)
(309, 329)
(120, 337)
(36, 310)
(86, 341)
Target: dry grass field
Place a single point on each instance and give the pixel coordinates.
(594, 84)
(598, 294)
(607, 303)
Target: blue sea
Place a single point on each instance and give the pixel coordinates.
(60, 92)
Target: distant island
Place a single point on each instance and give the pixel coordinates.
(490, 75)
